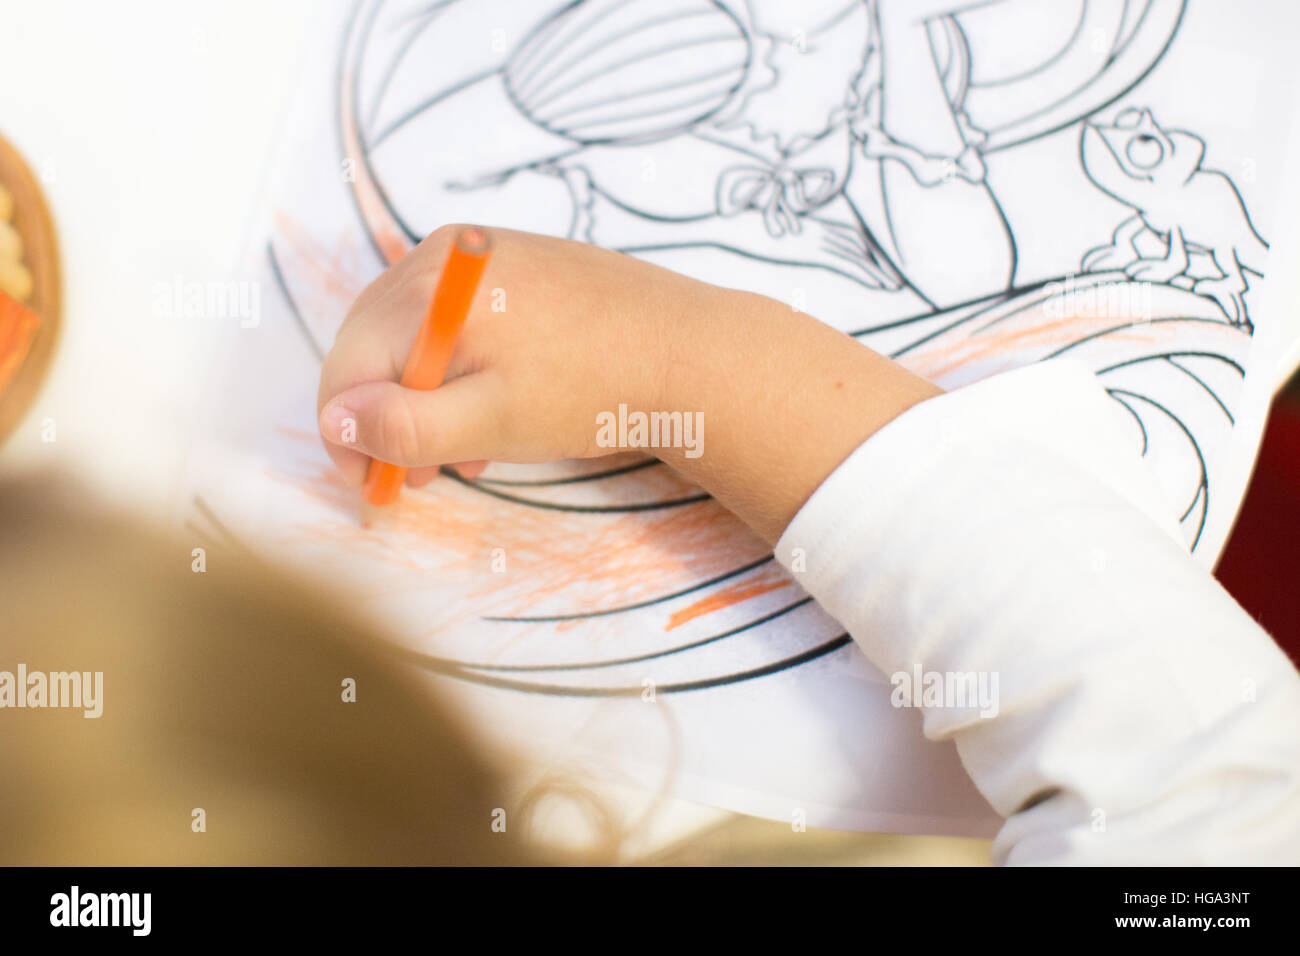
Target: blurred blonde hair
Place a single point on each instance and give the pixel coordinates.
(222, 691)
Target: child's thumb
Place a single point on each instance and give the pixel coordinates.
(413, 428)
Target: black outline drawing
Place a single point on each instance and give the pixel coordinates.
(845, 197)
(1158, 174)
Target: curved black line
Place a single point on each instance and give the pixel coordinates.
(986, 304)
(926, 338)
(1100, 106)
(554, 618)
(289, 301)
(1128, 325)
(875, 251)
(366, 146)
(1170, 356)
(889, 225)
(1025, 306)
(734, 147)
(642, 213)
(580, 509)
(556, 19)
(1136, 417)
(1241, 203)
(620, 97)
(556, 690)
(744, 253)
(349, 26)
(501, 175)
(414, 111)
(1011, 234)
(886, 208)
(841, 245)
(655, 111)
(1125, 41)
(854, 258)
(527, 88)
(1186, 352)
(597, 74)
(664, 134)
(431, 13)
(1068, 44)
(617, 662)
(1195, 498)
(411, 235)
(1196, 448)
(1201, 382)
(548, 22)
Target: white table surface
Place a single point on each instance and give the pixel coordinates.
(150, 124)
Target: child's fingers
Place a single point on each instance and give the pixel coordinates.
(352, 464)
(419, 477)
(469, 470)
(413, 428)
(367, 359)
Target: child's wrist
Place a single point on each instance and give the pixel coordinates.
(782, 399)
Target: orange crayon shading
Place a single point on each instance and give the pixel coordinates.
(728, 597)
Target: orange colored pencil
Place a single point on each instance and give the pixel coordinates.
(426, 366)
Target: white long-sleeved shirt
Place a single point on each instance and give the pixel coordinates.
(1008, 528)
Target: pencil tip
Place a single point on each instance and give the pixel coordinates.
(368, 514)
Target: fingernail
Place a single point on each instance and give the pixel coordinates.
(339, 425)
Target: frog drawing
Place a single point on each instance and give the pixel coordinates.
(1189, 209)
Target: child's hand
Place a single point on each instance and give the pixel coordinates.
(562, 332)
(559, 332)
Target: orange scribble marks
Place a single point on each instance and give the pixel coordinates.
(1087, 319)
(558, 562)
(1043, 336)
(297, 434)
(328, 269)
(727, 597)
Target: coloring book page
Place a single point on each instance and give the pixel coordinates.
(966, 187)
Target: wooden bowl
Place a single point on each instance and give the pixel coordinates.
(31, 219)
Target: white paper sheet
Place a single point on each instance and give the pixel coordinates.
(952, 204)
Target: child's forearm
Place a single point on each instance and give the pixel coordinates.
(783, 399)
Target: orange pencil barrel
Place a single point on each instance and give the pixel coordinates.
(426, 366)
